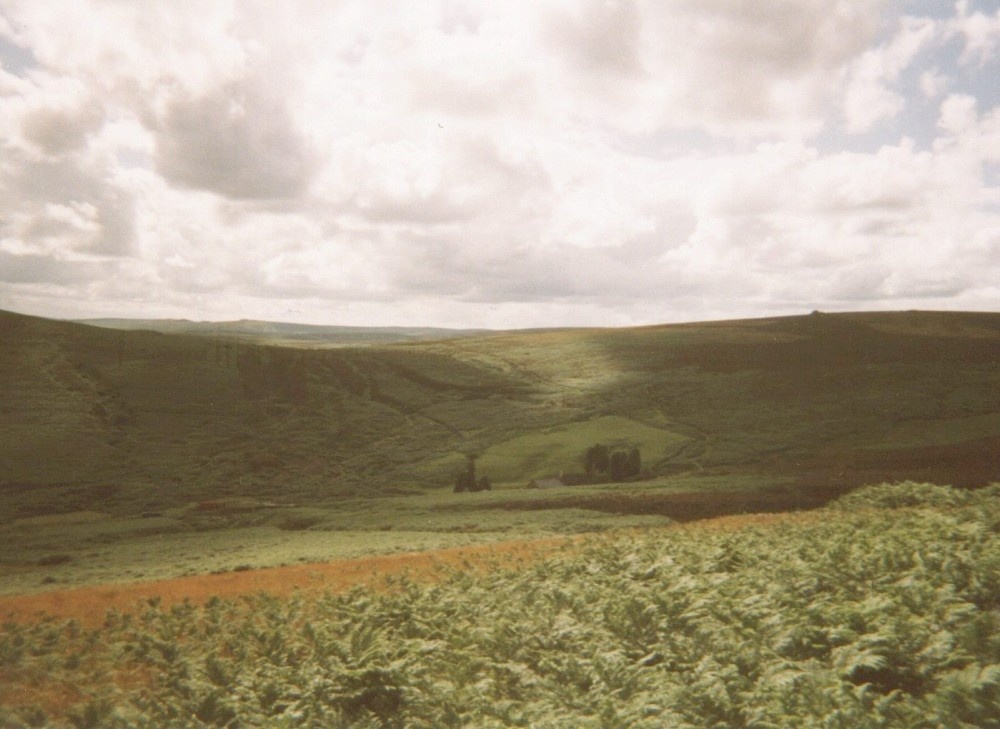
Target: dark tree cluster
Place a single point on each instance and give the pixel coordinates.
(600, 463)
(467, 481)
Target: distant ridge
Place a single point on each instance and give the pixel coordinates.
(283, 333)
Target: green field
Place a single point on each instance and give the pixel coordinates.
(83, 548)
(546, 452)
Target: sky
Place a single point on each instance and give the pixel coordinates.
(510, 164)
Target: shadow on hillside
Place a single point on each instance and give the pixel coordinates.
(816, 399)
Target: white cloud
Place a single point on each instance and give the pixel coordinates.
(469, 162)
(66, 207)
(870, 97)
(732, 69)
(958, 113)
(980, 33)
(237, 140)
(933, 83)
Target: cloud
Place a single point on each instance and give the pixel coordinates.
(556, 162)
(729, 68)
(35, 269)
(933, 83)
(958, 113)
(238, 140)
(531, 273)
(870, 97)
(980, 33)
(600, 38)
(454, 178)
(970, 137)
(64, 205)
(57, 131)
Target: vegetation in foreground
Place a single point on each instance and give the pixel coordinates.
(884, 612)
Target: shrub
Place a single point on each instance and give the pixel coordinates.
(884, 618)
(902, 495)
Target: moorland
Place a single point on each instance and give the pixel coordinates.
(258, 524)
(130, 454)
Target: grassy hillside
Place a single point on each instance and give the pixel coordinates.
(829, 401)
(133, 421)
(140, 417)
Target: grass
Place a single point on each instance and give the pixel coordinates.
(219, 535)
(547, 452)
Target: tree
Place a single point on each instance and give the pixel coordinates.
(466, 480)
(634, 462)
(596, 459)
(618, 466)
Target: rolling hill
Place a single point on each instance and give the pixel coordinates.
(135, 421)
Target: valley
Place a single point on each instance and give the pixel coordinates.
(249, 526)
(118, 446)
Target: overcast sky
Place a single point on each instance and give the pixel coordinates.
(498, 164)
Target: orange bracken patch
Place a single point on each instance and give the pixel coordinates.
(89, 605)
(55, 697)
